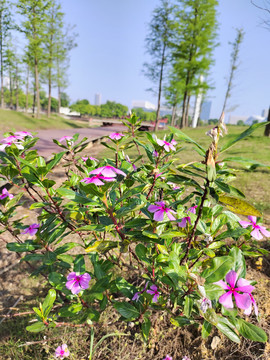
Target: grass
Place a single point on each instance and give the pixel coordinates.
(254, 184)
(15, 121)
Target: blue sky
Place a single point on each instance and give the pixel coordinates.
(111, 52)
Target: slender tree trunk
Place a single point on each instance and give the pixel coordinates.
(267, 128)
(37, 87)
(10, 89)
(58, 86)
(184, 107)
(173, 115)
(27, 89)
(17, 89)
(160, 86)
(49, 93)
(2, 63)
(187, 111)
(34, 102)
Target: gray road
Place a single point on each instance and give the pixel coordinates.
(46, 147)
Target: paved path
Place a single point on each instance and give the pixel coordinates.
(46, 147)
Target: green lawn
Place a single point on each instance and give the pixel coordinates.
(14, 121)
(255, 184)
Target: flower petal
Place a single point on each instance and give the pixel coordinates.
(231, 278)
(244, 286)
(252, 218)
(183, 223)
(226, 300)
(222, 284)
(245, 224)
(170, 216)
(265, 232)
(84, 280)
(159, 215)
(256, 234)
(242, 300)
(71, 276)
(153, 208)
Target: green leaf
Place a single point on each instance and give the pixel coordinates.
(238, 261)
(36, 327)
(226, 327)
(186, 138)
(74, 196)
(56, 280)
(229, 189)
(26, 246)
(146, 326)
(239, 206)
(251, 331)
(244, 134)
(180, 321)
(218, 269)
(55, 160)
(206, 329)
(213, 292)
(48, 303)
(79, 264)
(127, 310)
(188, 306)
(102, 246)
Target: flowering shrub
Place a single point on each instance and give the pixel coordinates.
(160, 236)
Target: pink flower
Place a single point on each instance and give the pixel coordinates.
(76, 283)
(155, 153)
(31, 230)
(258, 229)
(5, 194)
(62, 351)
(129, 161)
(234, 287)
(159, 211)
(167, 357)
(154, 292)
(116, 136)
(167, 145)
(68, 139)
(97, 179)
(253, 302)
(205, 304)
(107, 171)
(23, 134)
(186, 219)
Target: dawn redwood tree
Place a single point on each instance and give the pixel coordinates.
(35, 13)
(234, 64)
(5, 26)
(195, 28)
(157, 46)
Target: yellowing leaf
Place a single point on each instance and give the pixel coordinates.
(239, 206)
(102, 246)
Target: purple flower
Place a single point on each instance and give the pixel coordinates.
(167, 357)
(62, 351)
(159, 211)
(23, 134)
(97, 180)
(91, 158)
(137, 294)
(107, 171)
(116, 136)
(253, 302)
(5, 194)
(68, 139)
(167, 145)
(129, 161)
(154, 292)
(31, 230)
(186, 219)
(76, 283)
(155, 153)
(234, 287)
(258, 229)
(205, 304)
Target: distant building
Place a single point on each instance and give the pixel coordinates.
(205, 110)
(233, 119)
(68, 112)
(145, 105)
(255, 118)
(98, 99)
(265, 113)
